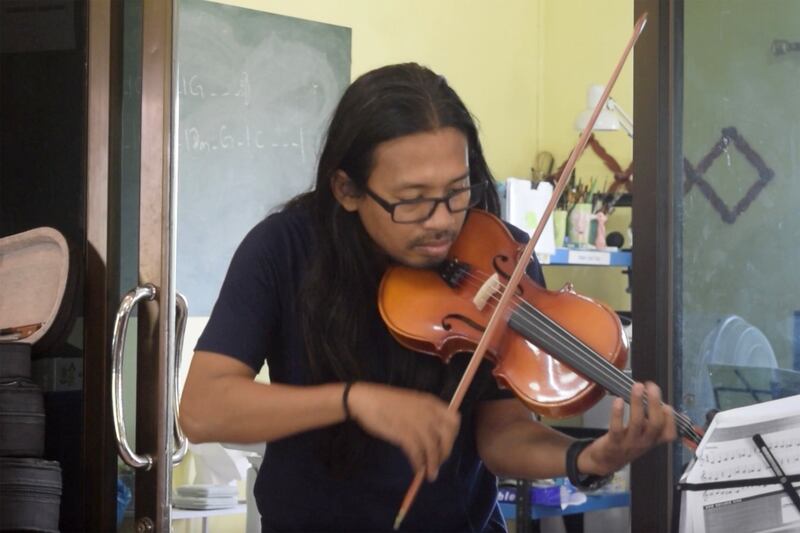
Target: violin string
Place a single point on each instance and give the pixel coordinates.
(592, 364)
(589, 360)
(602, 366)
(570, 347)
(586, 359)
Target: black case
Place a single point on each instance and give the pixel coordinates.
(38, 285)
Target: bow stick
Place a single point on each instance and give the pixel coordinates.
(494, 321)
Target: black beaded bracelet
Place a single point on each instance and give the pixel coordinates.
(583, 482)
(345, 394)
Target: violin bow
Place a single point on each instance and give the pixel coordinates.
(519, 270)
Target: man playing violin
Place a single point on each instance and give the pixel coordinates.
(349, 415)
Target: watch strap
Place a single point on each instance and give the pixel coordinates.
(583, 482)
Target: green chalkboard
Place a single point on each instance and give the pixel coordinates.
(255, 92)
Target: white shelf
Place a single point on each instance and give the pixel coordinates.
(185, 514)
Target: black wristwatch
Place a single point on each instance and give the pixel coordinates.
(582, 482)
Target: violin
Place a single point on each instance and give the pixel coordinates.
(558, 351)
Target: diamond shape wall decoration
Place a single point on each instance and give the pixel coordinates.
(694, 176)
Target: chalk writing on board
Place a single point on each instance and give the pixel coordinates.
(192, 85)
(254, 94)
(226, 137)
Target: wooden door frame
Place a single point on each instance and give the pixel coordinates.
(156, 324)
(156, 264)
(656, 289)
(104, 74)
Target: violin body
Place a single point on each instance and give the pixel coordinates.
(444, 312)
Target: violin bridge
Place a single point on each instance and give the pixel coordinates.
(487, 290)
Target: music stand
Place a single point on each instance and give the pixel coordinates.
(737, 386)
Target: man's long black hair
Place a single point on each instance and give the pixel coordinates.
(338, 301)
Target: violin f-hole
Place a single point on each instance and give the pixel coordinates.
(496, 260)
(461, 318)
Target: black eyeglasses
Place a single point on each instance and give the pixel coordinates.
(421, 209)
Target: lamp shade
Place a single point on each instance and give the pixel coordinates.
(606, 121)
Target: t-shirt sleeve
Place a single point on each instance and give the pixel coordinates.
(247, 312)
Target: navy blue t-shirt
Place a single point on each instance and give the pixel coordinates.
(252, 321)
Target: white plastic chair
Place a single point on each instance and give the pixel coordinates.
(733, 341)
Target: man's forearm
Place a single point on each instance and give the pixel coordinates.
(527, 450)
(236, 409)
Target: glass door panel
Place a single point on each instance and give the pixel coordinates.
(71, 153)
(714, 218)
(736, 237)
(43, 65)
(144, 330)
(739, 238)
(127, 199)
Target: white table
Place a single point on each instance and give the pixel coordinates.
(188, 514)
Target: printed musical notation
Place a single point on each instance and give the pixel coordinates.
(728, 453)
(744, 462)
(744, 458)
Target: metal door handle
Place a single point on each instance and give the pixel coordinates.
(129, 301)
(182, 313)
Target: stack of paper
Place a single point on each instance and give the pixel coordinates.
(525, 205)
(728, 456)
(202, 497)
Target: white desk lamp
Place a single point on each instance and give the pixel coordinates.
(611, 118)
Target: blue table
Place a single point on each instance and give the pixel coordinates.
(594, 502)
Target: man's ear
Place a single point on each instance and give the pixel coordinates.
(345, 191)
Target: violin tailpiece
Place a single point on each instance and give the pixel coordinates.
(453, 272)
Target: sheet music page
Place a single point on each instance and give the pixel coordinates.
(727, 452)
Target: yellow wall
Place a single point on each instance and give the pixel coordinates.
(582, 42)
(488, 51)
